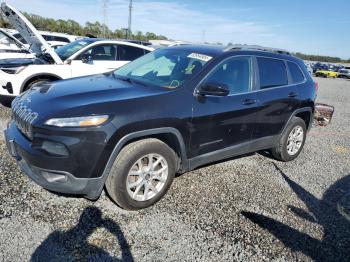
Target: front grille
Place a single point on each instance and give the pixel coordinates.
(23, 117)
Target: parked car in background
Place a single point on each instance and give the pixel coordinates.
(319, 66)
(326, 73)
(53, 39)
(309, 68)
(80, 58)
(168, 112)
(344, 73)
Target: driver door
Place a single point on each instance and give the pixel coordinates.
(222, 122)
(96, 60)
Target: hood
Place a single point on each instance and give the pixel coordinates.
(91, 95)
(12, 39)
(14, 62)
(37, 43)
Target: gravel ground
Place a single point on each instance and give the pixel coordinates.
(248, 209)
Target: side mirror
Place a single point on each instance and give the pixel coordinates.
(86, 58)
(213, 89)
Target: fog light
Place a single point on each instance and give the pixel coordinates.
(53, 148)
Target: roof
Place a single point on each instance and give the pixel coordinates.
(93, 40)
(257, 48)
(211, 50)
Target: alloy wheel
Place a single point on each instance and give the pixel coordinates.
(147, 177)
(295, 140)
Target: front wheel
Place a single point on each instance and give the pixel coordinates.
(37, 82)
(292, 141)
(141, 174)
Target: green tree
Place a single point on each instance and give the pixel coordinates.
(74, 28)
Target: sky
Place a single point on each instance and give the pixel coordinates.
(296, 25)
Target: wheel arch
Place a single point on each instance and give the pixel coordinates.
(132, 137)
(305, 113)
(30, 79)
(307, 117)
(169, 135)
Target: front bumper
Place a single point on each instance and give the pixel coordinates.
(59, 181)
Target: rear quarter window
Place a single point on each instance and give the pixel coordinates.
(272, 72)
(295, 73)
(130, 53)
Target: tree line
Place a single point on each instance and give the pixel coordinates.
(74, 28)
(320, 58)
(100, 30)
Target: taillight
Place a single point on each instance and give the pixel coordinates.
(316, 85)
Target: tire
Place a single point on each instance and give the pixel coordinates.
(6, 104)
(128, 161)
(281, 152)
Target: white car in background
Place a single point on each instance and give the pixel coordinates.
(80, 58)
(55, 40)
(10, 47)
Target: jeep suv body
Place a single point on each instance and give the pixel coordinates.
(168, 112)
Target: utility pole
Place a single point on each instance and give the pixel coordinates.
(130, 19)
(105, 4)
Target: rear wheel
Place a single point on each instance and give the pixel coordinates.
(292, 141)
(141, 174)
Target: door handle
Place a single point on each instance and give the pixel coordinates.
(292, 94)
(248, 102)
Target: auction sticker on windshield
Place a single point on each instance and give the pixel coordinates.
(201, 57)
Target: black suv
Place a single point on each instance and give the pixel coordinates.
(168, 112)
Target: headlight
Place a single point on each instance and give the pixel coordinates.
(84, 121)
(13, 70)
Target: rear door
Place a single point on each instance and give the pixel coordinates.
(223, 122)
(278, 97)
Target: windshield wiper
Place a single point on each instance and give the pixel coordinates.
(129, 80)
(126, 79)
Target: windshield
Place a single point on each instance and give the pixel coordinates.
(66, 51)
(169, 68)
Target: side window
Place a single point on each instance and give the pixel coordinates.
(102, 53)
(60, 39)
(272, 72)
(47, 37)
(235, 73)
(130, 53)
(296, 73)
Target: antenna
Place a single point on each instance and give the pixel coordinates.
(130, 19)
(105, 4)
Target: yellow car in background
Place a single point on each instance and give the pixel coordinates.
(326, 73)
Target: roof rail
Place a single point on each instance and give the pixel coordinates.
(258, 48)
